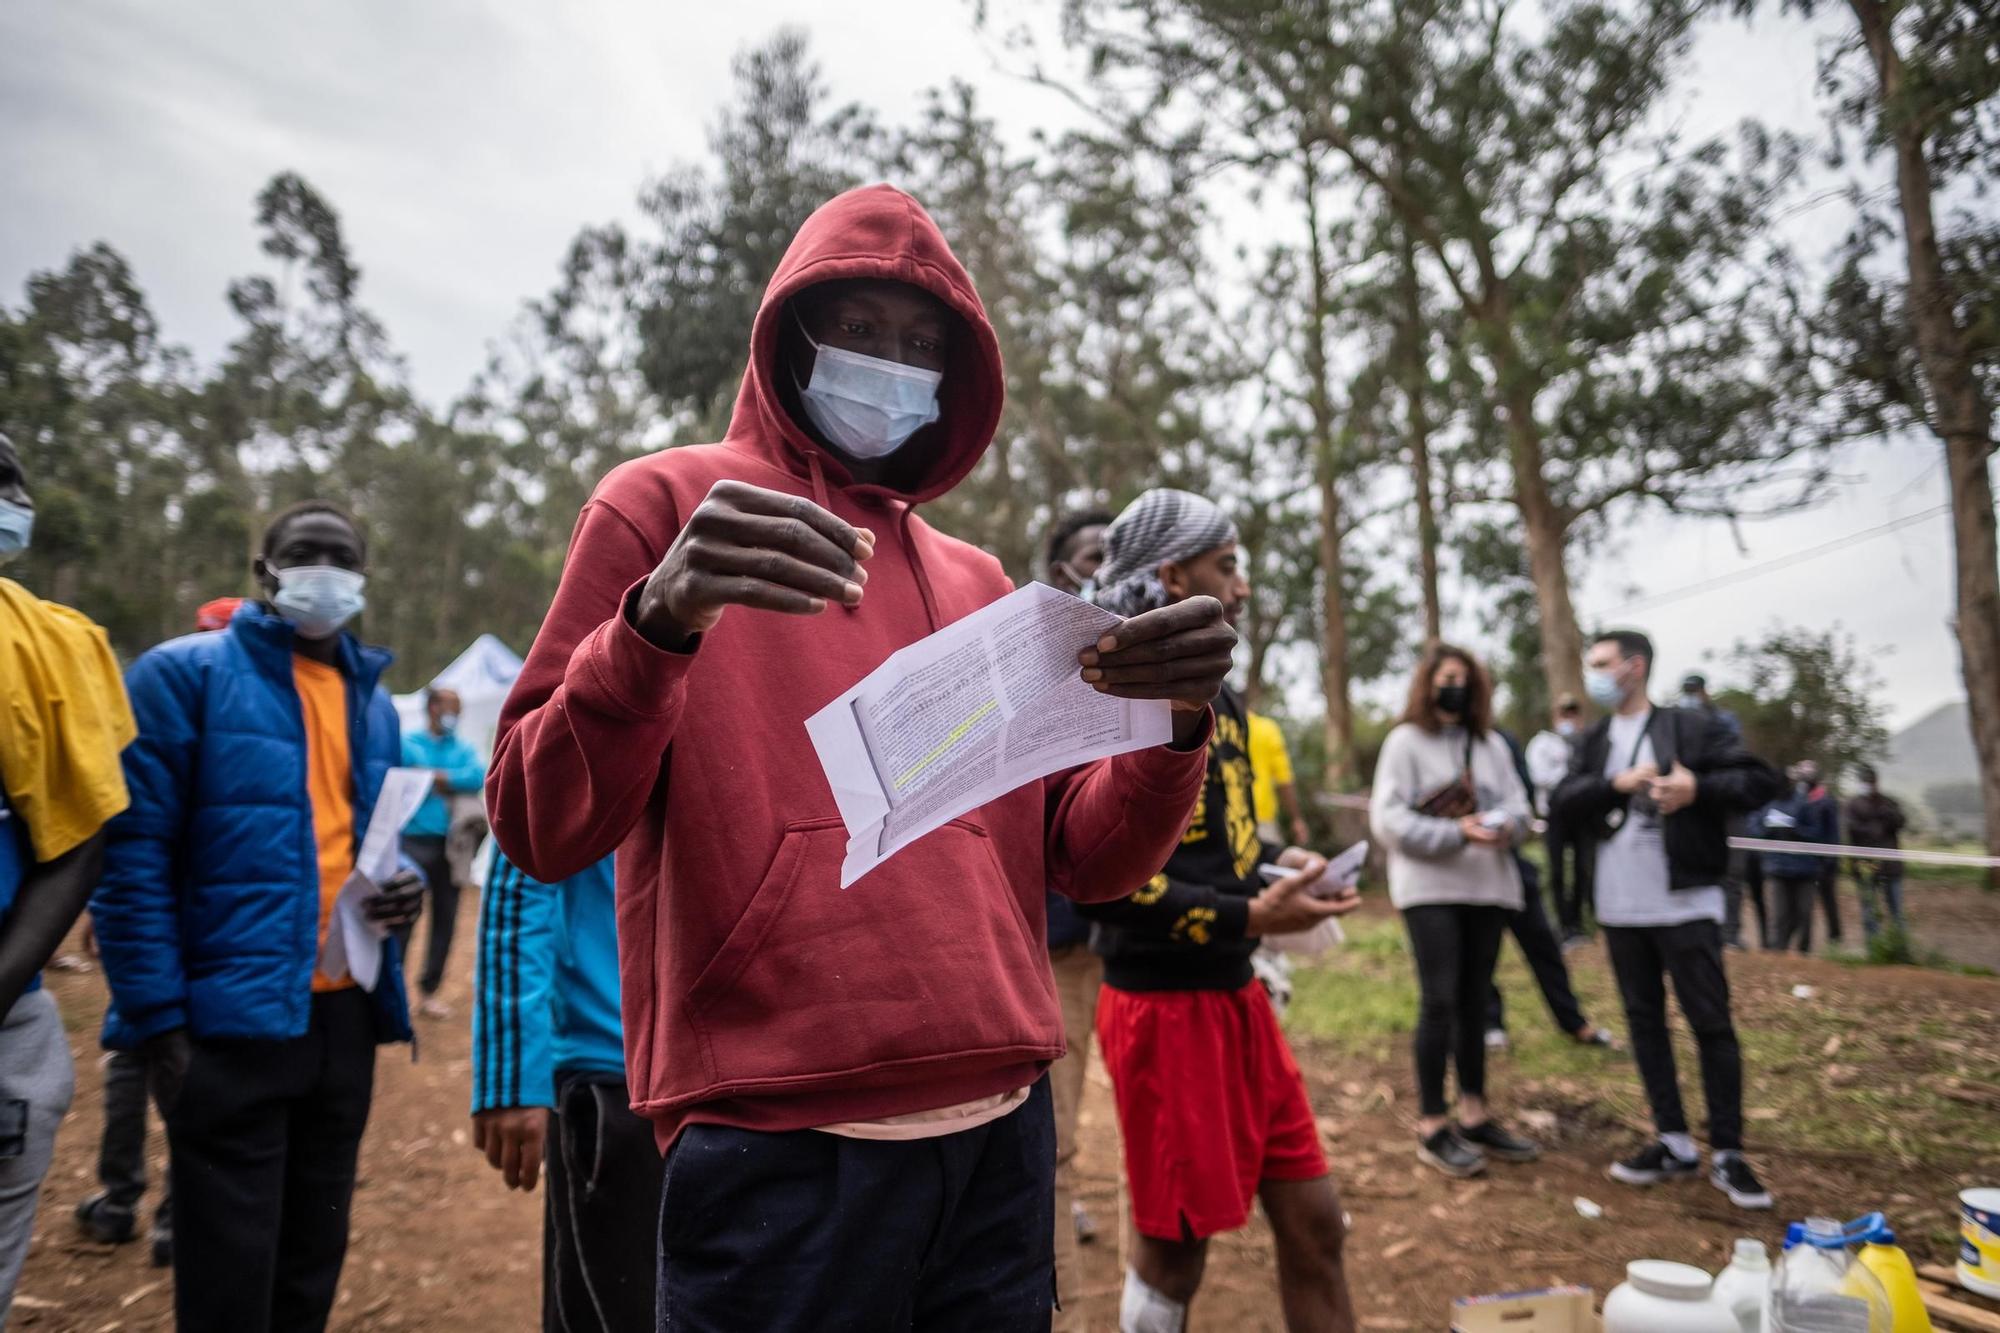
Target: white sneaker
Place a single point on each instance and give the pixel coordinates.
(1496, 1039)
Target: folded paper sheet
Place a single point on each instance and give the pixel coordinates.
(969, 714)
(353, 944)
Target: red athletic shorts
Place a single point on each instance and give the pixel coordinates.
(1210, 1102)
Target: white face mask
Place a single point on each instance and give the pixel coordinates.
(319, 599)
(865, 406)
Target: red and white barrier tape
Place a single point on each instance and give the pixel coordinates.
(1964, 859)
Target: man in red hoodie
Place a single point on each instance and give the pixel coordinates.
(849, 1083)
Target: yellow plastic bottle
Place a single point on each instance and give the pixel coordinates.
(1892, 1268)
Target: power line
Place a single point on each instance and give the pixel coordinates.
(1781, 562)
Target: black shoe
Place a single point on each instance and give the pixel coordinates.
(1654, 1163)
(1449, 1153)
(1492, 1138)
(104, 1222)
(1733, 1176)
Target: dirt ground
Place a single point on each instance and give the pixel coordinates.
(438, 1244)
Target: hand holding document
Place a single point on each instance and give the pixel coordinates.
(353, 939)
(1342, 873)
(969, 714)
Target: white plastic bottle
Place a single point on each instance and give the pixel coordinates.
(1818, 1288)
(1745, 1286)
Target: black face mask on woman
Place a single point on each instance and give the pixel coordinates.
(1451, 700)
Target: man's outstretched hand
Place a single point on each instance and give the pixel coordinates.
(1180, 653)
(746, 546)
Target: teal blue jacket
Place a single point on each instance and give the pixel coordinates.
(459, 764)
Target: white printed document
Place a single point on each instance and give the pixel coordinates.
(969, 714)
(353, 942)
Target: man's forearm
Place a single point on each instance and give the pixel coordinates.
(50, 899)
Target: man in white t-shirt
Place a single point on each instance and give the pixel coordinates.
(1658, 786)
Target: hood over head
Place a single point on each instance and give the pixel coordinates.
(882, 233)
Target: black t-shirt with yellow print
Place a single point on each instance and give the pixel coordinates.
(1184, 929)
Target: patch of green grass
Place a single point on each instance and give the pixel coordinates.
(1876, 1092)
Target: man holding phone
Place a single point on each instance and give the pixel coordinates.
(1211, 1104)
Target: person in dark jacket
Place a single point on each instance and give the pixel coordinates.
(1826, 817)
(1658, 786)
(1210, 1102)
(261, 750)
(1075, 550)
(1875, 819)
(1802, 815)
(1539, 946)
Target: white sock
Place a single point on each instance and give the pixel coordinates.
(1144, 1309)
(1723, 1156)
(1682, 1146)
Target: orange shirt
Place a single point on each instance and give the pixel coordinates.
(329, 785)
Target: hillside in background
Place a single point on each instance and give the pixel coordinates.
(1931, 764)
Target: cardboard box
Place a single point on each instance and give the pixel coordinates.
(1557, 1310)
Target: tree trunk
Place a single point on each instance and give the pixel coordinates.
(1958, 416)
(1334, 679)
(1414, 374)
(1546, 531)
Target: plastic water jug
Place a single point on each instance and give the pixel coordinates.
(1892, 1268)
(1818, 1288)
(1662, 1297)
(1745, 1285)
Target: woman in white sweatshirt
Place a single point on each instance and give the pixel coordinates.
(1450, 808)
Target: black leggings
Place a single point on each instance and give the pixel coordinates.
(1456, 946)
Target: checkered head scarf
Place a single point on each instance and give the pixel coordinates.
(1158, 527)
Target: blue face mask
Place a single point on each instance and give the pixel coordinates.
(448, 723)
(17, 525)
(1603, 688)
(865, 406)
(319, 599)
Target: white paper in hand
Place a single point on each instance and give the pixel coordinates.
(969, 714)
(353, 945)
(1341, 874)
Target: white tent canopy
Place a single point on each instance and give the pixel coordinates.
(481, 675)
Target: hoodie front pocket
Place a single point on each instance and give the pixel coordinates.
(926, 957)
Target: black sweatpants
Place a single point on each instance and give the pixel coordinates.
(1642, 957)
(264, 1137)
(600, 1209)
(1570, 866)
(1793, 912)
(1539, 945)
(428, 853)
(1455, 946)
(812, 1231)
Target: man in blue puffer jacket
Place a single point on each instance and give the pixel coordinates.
(261, 751)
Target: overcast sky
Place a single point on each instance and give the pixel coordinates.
(464, 143)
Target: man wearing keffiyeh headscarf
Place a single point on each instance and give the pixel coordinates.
(1159, 528)
(1210, 1101)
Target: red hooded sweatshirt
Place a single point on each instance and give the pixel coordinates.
(756, 992)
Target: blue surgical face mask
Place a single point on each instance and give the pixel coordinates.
(319, 599)
(17, 526)
(1603, 688)
(448, 722)
(865, 406)
(1691, 702)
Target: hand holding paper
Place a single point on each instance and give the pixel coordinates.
(970, 713)
(354, 936)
